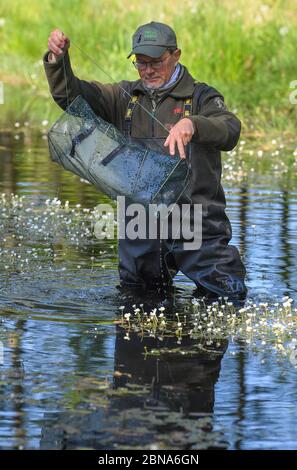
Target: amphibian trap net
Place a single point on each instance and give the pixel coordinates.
(95, 150)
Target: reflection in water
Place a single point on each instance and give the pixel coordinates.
(243, 205)
(286, 247)
(242, 393)
(181, 382)
(69, 377)
(16, 407)
(166, 401)
(265, 228)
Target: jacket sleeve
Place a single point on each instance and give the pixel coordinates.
(105, 99)
(214, 124)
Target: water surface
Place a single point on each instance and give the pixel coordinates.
(70, 380)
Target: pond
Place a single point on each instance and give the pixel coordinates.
(74, 374)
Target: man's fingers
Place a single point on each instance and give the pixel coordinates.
(185, 139)
(57, 42)
(181, 136)
(54, 48)
(58, 35)
(181, 148)
(171, 141)
(54, 44)
(172, 145)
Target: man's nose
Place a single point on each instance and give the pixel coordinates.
(149, 67)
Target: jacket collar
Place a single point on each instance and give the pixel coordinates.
(183, 88)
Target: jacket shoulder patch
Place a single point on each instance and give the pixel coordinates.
(219, 103)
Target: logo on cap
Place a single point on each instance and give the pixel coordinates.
(150, 35)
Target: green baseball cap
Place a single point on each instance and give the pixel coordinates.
(152, 39)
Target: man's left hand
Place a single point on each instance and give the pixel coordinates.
(180, 134)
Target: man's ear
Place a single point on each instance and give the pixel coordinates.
(177, 55)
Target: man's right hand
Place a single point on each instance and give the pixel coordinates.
(58, 43)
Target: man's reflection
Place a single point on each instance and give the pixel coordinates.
(181, 381)
(170, 382)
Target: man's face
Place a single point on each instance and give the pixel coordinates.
(154, 77)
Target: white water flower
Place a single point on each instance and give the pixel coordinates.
(278, 326)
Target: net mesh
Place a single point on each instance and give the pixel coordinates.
(95, 150)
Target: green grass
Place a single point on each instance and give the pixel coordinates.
(245, 49)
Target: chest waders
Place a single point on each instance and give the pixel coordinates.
(215, 268)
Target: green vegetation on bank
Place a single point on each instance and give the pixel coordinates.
(245, 49)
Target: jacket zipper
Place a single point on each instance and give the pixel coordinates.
(154, 106)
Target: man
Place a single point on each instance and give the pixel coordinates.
(166, 108)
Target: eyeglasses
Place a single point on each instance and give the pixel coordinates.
(155, 65)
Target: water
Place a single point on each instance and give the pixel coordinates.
(70, 380)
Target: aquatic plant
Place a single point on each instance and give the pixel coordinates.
(36, 233)
(259, 326)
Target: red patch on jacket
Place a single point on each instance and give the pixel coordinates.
(177, 110)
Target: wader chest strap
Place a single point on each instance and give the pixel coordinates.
(187, 110)
(128, 117)
(187, 107)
